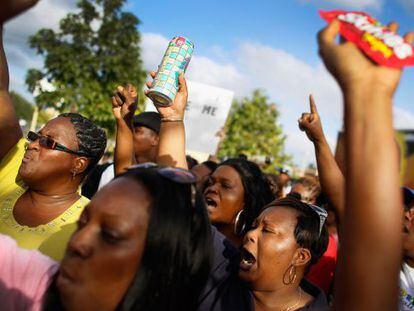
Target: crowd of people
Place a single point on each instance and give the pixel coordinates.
(156, 231)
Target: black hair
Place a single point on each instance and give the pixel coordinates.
(211, 165)
(177, 257)
(191, 162)
(273, 180)
(176, 261)
(91, 138)
(307, 228)
(257, 191)
(407, 199)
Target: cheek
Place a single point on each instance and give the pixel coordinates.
(141, 143)
(275, 254)
(46, 164)
(231, 203)
(118, 265)
(56, 163)
(110, 266)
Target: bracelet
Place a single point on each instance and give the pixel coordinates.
(171, 120)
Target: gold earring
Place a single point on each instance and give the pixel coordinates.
(290, 275)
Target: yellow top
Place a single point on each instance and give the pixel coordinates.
(50, 238)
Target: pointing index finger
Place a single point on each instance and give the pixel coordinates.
(312, 104)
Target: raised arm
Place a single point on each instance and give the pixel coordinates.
(10, 131)
(171, 148)
(370, 254)
(11, 8)
(124, 105)
(330, 176)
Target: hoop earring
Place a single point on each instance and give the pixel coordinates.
(237, 230)
(290, 275)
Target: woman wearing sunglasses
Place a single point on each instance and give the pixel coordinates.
(40, 178)
(132, 250)
(277, 249)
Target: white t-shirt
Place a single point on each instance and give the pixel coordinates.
(107, 175)
(406, 288)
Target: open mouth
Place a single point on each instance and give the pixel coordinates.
(210, 202)
(247, 259)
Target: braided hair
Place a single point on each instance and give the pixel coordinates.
(91, 138)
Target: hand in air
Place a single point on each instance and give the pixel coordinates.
(351, 68)
(177, 109)
(310, 123)
(12, 8)
(124, 102)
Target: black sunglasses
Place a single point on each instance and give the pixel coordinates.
(177, 175)
(50, 143)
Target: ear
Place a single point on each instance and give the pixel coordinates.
(302, 257)
(155, 140)
(80, 164)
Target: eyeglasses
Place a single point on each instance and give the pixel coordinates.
(177, 175)
(50, 143)
(322, 214)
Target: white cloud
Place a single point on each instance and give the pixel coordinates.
(287, 80)
(202, 69)
(46, 14)
(153, 47)
(206, 70)
(403, 119)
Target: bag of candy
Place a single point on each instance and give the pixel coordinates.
(381, 45)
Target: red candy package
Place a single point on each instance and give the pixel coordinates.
(384, 47)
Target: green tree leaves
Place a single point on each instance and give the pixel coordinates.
(252, 129)
(95, 49)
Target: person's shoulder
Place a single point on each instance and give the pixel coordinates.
(223, 248)
(17, 151)
(319, 302)
(21, 289)
(14, 259)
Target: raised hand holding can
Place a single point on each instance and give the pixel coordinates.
(175, 61)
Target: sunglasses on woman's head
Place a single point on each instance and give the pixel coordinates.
(50, 143)
(177, 175)
(322, 214)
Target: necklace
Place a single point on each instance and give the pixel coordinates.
(297, 302)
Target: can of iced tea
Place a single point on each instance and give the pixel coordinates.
(175, 61)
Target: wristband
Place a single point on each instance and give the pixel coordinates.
(171, 120)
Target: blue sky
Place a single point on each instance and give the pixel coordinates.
(289, 25)
(240, 45)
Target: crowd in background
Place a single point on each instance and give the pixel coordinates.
(153, 229)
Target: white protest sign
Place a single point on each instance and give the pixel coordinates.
(207, 110)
